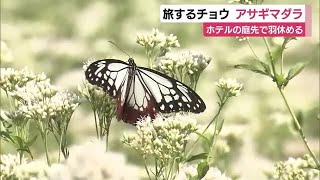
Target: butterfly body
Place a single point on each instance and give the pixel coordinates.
(141, 91)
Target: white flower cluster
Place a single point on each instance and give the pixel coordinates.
(34, 91)
(5, 53)
(230, 86)
(45, 102)
(158, 38)
(37, 98)
(190, 172)
(90, 161)
(295, 169)
(88, 90)
(164, 138)
(11, 79)
(8, 164)
(240, 1)
(186, 63)
(11, 168)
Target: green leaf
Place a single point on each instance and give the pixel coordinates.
(197, 157)
(250, 68)
(266, 67)
(206, 140)
(18, 141)
(6, 136)
(202, 169)
(31, 141)
(295, 70)
(219, 126)
(286, 41)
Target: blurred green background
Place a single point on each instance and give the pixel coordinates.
(56, 37)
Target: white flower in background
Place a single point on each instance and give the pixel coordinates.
(41, 99)
(90, 161)
(88, 90)
(8, 163)
(230, 86)
(11, 168)
(11, 79)
(157, 38)
(186, 63)
(5, 53)
(37, 98)
(187, 172)
(164, 137)
(185, 67)
(295, 169)
(190, 172)
(35, 91)
(215, 174)
(34, 170)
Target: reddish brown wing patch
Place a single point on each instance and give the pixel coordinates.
(130, 115)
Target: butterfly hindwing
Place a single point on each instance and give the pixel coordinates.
(139, 101)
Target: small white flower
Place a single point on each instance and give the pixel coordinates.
(34, 169)
(90, 161)
(293, 169)
(11, 168)
(230, 86)
(187, 172)
(215, 174)
(11, 79)
(150, 41)
(187, 64)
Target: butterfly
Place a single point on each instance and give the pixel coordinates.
(141, 91)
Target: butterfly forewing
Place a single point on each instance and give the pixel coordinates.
(108, 74)
(170, 94)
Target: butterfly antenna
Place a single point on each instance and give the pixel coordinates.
(119, 48)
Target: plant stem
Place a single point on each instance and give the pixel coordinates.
(296, 122)
(281, 66)
(149, 59)
(20, 156)
(96, 123)
(156, 165)
(45, 142)
(215, 117)
(60, 149)
(107, 134)
(145, 166)
(43, 133)
(270, 55)
(214, 141)
(251, 48)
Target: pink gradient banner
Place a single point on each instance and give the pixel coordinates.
(255, 29)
